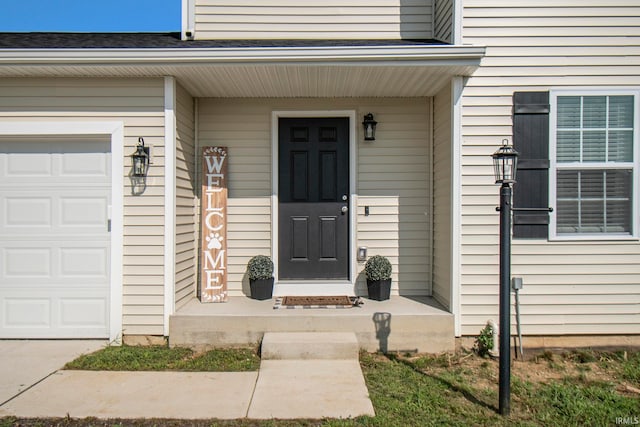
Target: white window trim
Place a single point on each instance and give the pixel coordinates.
(635, 164)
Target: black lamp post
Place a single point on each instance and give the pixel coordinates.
(505, 163)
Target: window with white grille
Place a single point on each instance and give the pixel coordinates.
(594, 164)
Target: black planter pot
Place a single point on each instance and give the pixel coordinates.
(379, 290)
(261, 289)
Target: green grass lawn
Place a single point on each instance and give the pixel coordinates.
(434, 391)
(572, 389)
(163, 358)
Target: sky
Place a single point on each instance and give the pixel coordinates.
(90, 15)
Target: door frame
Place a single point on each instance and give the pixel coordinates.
(314, 287)
(114, 130)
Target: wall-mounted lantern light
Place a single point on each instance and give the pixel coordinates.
(140, 159)
(369, 127)
(505, 163)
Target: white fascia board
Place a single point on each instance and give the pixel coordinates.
(412, 55)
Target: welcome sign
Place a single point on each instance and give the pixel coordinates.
(213, 225)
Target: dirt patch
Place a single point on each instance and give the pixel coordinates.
(587, 366)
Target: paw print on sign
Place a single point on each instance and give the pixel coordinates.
(214, 241)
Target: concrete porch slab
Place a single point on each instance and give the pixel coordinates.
(398, 324)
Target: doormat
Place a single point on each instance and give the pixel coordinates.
(306, 302)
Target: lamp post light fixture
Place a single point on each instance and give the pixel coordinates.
(369, 127)
(140, 160)
(505, 162)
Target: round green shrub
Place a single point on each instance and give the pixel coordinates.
(378, 268)
(260, 267)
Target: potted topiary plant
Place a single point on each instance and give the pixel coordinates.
(378, 271)
(260, 271)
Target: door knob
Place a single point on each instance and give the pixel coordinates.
(344, 209)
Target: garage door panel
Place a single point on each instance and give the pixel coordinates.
(20, 165)
(23, 212)
(56, 156)
(83, 164)
(54, 238)
(27, 263)
(83, 262)
(26, 312)
(65, 314)
(59, 262)
(88, 211)
(30, 161)
(78, 284)
(82, 312)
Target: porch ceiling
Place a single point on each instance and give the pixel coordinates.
(377, 71)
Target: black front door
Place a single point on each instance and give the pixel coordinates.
(313, 181)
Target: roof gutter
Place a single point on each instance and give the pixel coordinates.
(399, 55)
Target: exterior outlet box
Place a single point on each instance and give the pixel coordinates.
(362, 253)
(516, 283)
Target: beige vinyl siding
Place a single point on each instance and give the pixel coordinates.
(443, 20)
(393, 179)
(442, 201)
(244, 127)
(392, 175)
(580, 287)
(139, 104)
(313, 19)
(186, 224)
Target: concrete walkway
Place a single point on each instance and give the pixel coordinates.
(24, 363)
(290, 386)
(310, 375)
(81, 394)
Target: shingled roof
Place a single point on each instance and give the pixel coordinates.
(169, 41)
(286, 68)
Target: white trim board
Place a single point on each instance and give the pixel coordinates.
(188, 8)
(456, 37)
(169, 200)
(315, 287)
(115, 130)
(457, 87)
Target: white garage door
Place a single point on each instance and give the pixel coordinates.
(54, 237)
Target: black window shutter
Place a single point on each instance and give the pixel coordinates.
(531, 140)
